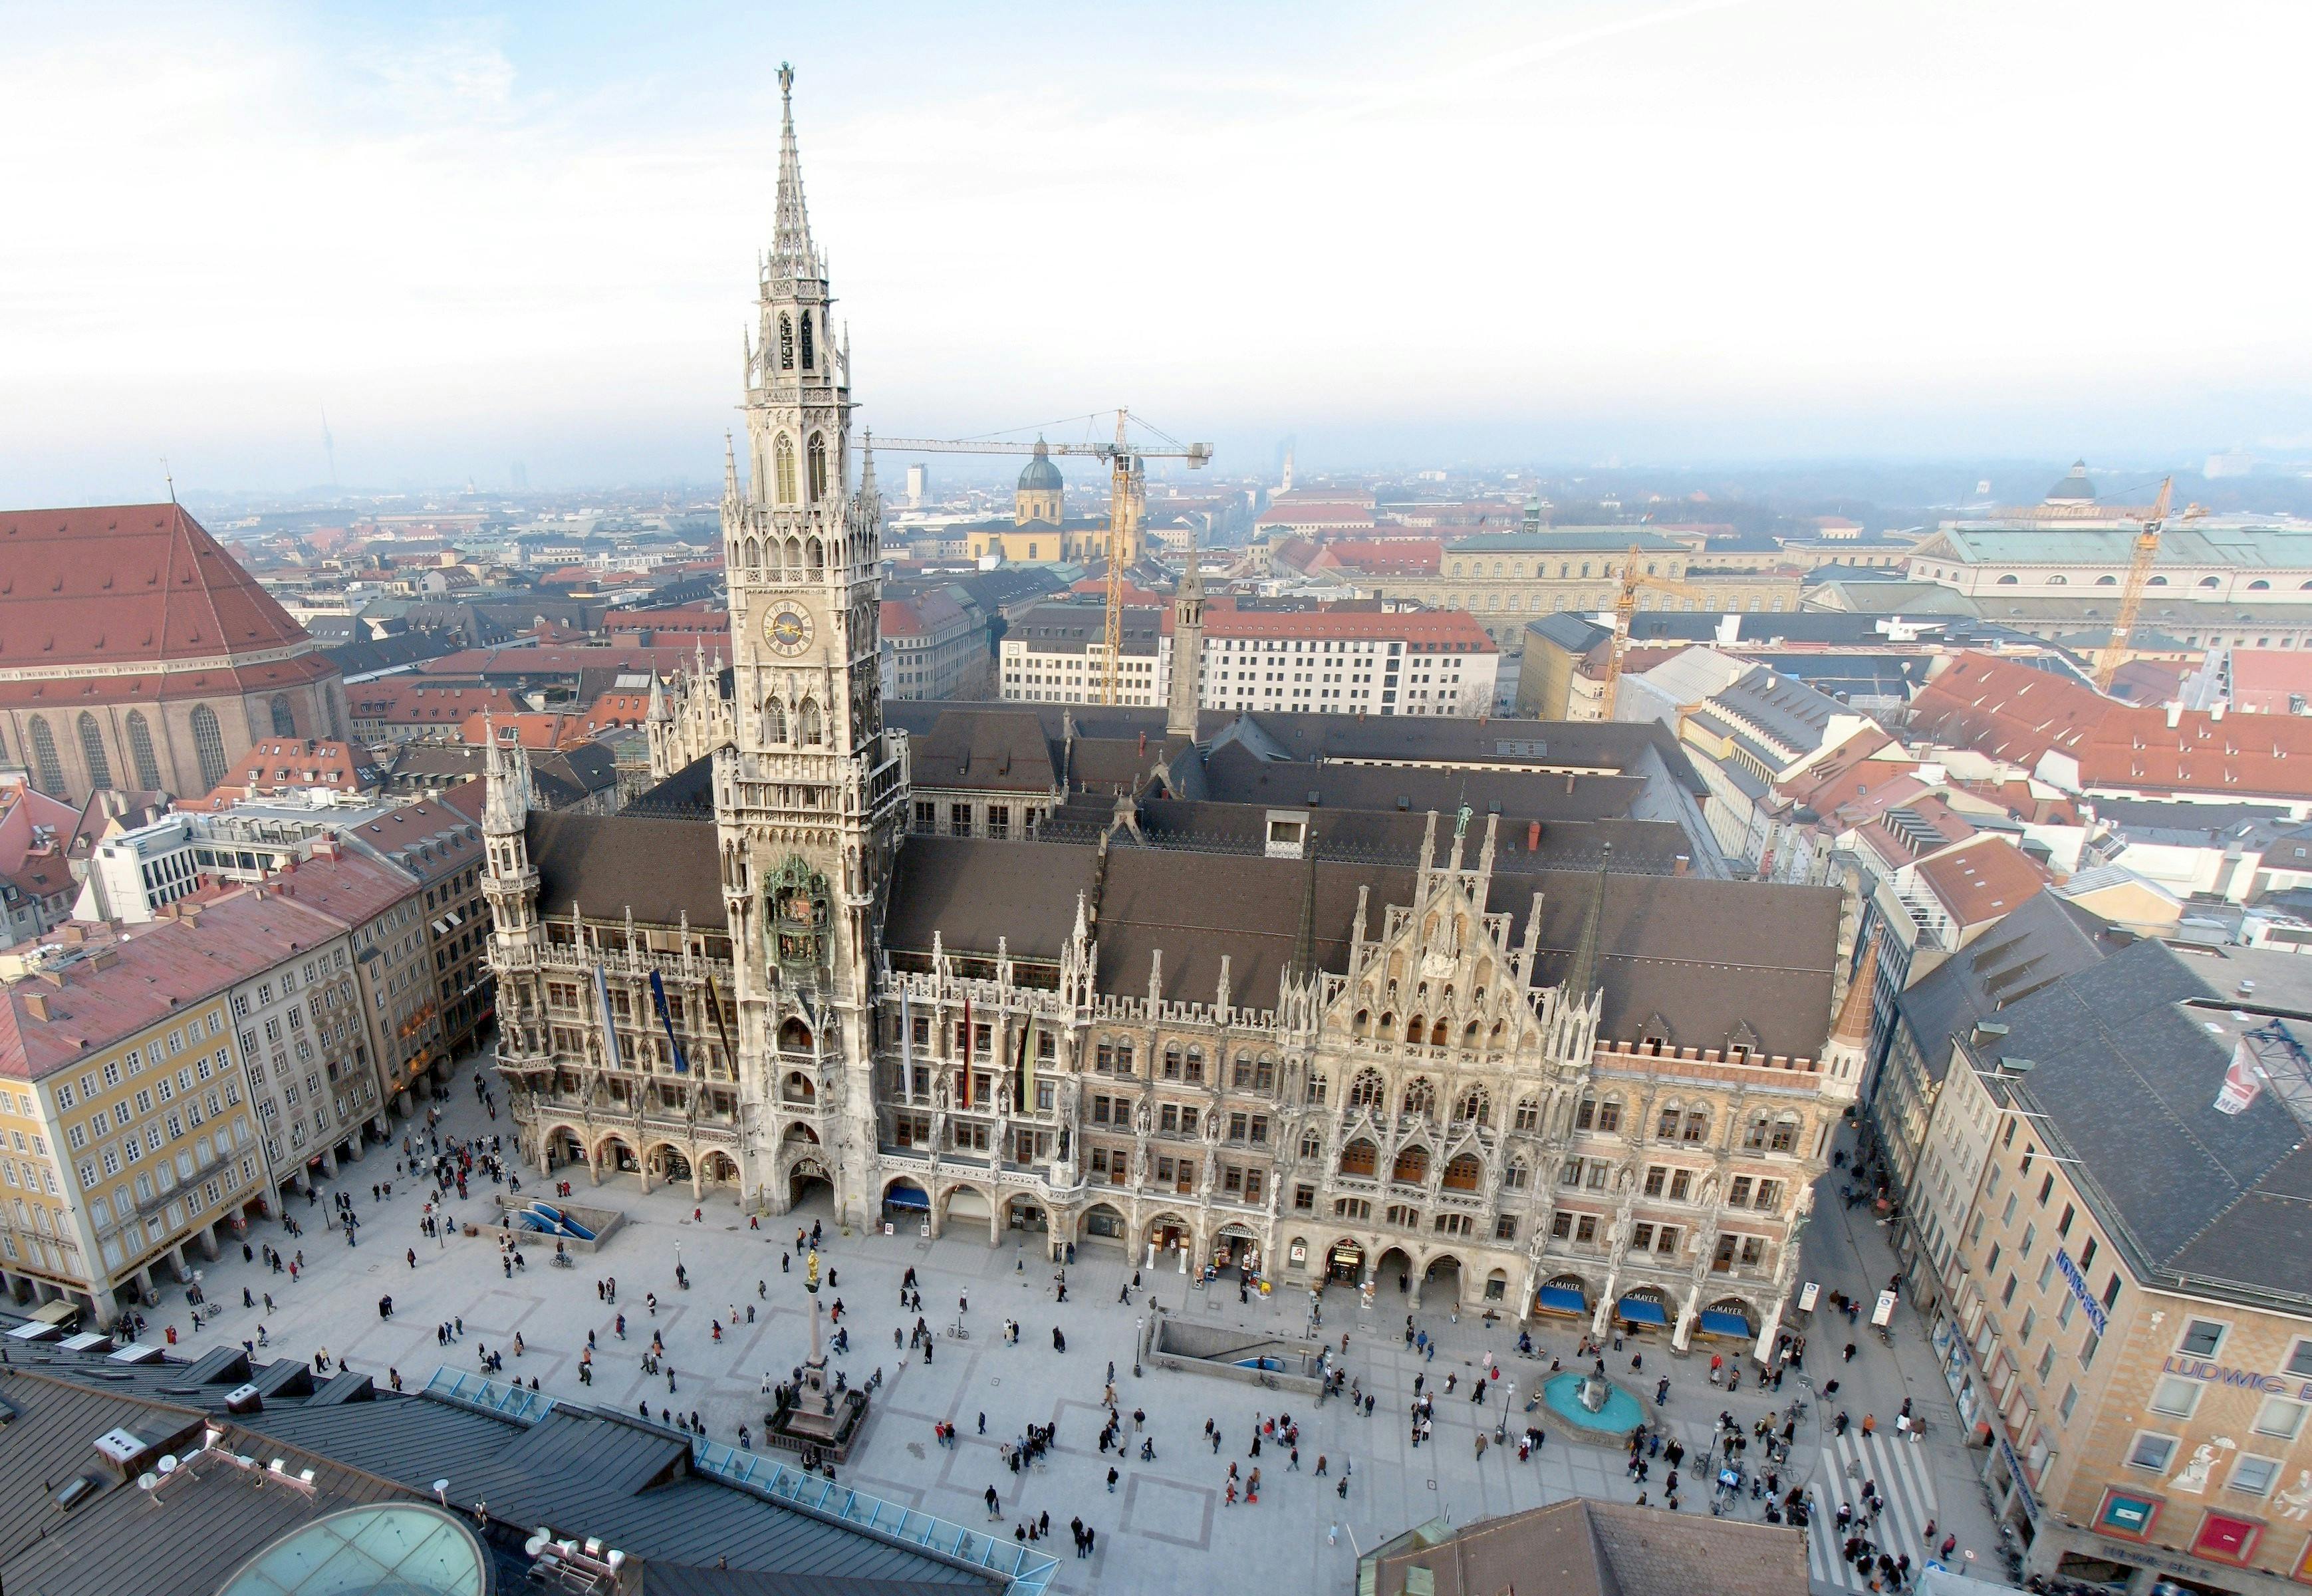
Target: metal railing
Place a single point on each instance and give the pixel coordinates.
(516, 1402)
(1029, 1572)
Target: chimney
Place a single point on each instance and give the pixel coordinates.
(2175, 716)
(73, 935)
(36, 1003)
(2216, 710)
(1533, 836)
(1678, 865)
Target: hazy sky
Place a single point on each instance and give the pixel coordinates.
(1405, 233)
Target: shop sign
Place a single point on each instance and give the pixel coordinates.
(2271, 1385)
(1807, 1294)
(2022, 1480)
(2124, 1513)
(2079, 1285)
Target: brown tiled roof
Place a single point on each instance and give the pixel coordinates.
(1683, 947)
(604, 865)
(1588, 1547)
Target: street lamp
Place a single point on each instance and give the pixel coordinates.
(1138, 1330)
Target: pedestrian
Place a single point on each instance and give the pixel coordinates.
(1850, 1352)
(1320, 1465)
(983, 1423)
(1112, 1481)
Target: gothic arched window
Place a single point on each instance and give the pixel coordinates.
(46, 768)
(807, 723)
(1421, 1097)
(284, 724)
(810, 356)
(787, 343)
(1367, 1090)
(783, 465)
(208, 741)
(816, 464)
(92, 751)
(775, 722)
(140, 752)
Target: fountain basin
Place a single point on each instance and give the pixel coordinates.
(1614, 1422)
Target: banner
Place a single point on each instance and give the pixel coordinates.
(610, 1022)
(906, 1044)
(658, 996)
(1027, 1073)
(967, 1053)
(730, 1054)
(2243, 1081)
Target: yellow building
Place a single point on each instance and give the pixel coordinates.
(2124, 1313)
(125, 1108)
(1039, 532)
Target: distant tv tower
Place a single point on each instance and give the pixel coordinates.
(328, 445)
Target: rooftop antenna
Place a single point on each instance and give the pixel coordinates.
(171, 480)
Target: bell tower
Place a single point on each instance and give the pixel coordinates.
(810, 796)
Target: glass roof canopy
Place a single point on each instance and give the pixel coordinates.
(402, 1548)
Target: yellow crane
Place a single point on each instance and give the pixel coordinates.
(1127, 488)
(2130, 596)
(1625, 605)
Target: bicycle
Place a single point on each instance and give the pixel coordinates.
(956, 1332)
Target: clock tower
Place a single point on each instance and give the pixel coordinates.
(810, 796)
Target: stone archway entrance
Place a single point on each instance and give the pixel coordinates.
(1102, 1226)
(1344, 1262)
(1236, 1247)
(1442, 1281)
(807, 1183)
(1394, 1268)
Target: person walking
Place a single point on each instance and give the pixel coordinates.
(1112, 1481)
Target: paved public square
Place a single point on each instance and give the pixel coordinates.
(1165, 1519)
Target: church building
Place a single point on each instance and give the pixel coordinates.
(139, 655)
(1419, 1005)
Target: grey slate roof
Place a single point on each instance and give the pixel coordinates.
(2127, 1075)
(2042, 941)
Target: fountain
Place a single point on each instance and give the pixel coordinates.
(1595, 1407)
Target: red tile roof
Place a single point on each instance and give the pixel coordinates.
(2015, 713)
(292, 763)
(533, 729)
(125, 582)
(127, 585)
(412, 701)
(2265, 680)
(1982, 880)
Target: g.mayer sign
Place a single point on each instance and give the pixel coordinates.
(2079, 1285)
(2271, 1385)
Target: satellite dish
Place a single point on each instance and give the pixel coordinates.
(168, 1462)
(147, 1480)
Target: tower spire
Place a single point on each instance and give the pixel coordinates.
(1188, 643)
(730, 470)
(792, 255)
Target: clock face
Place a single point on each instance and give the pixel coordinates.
(787, 629)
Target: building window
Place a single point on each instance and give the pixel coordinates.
(140, 752)
(2150, 1452)
(815, 463)
(2201, 1337)
(284, 724)
(208, 742)
(92, 751)
(46, 768)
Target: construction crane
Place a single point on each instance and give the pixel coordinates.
(1128, 486)
(2131, 597)
(1625, 605)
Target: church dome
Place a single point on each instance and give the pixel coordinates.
(2074, 488)
(1040, 474)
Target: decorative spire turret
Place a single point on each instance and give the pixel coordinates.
(792, 255)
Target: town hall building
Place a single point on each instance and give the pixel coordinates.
(1323, 999)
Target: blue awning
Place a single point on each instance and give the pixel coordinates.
(1639, 1310)
(1717, 1322)
(906, 1197)
(1562, 1299)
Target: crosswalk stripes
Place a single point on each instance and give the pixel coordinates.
(1898, 1469)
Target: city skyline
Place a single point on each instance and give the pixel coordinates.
(1706, 232)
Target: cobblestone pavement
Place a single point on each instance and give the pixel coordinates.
(1302, 1536)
